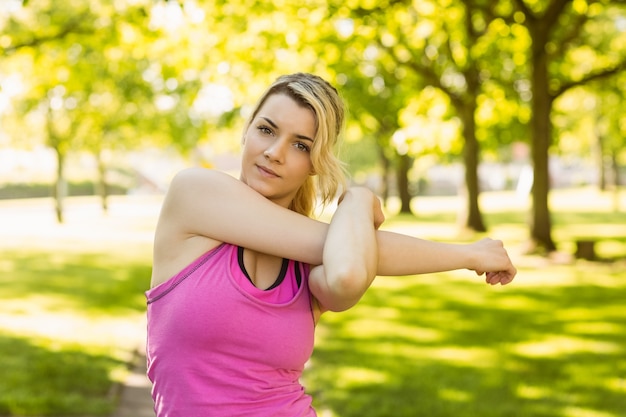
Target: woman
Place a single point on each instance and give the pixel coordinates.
(241, 273)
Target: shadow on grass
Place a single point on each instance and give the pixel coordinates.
(89, 282)
(434, 346)
(44, 381)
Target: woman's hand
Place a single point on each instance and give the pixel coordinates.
(366, 196)
(493, 261)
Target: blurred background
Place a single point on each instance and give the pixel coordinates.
(465, 116)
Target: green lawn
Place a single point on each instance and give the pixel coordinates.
(553, 343)
(68, 325)
(71, 304)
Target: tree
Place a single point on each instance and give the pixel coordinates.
(48, 95)
(375, 95)
(565, 52)
(22, 38)
(610, 133)
(440, 44)
(116, 100)
(86, 84)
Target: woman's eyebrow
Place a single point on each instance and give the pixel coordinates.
(275, 126)
(270, 122)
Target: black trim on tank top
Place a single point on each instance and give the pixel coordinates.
(298, 273)
(281, 274)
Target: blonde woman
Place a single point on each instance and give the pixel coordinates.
(242, 273)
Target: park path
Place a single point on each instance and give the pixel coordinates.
(135, 399)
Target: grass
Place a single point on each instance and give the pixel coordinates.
(71, 305)
(45, 377)
(551, 344)
(64, 326)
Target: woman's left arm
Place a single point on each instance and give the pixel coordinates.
(350, 255)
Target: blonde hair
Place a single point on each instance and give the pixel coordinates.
(315, 93)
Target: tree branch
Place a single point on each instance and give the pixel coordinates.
(72, 27)
(593, 76)
(552, 13)
(574, 30)
(525, 9)
(425, 71)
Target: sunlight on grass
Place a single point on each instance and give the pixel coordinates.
(597, 328)
(559, 345)
(535, 271)
(553, 343)
(38, 316)
(72, 309)
(448, 394)
(533, 392)
(616, 384)
(373, 327)
(581, 230)
(348, 377)
(587, 198)
(462, 356)
(584, 412)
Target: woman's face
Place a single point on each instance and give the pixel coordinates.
(276, 155)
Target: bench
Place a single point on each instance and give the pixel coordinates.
(614, 246)
(586, 249)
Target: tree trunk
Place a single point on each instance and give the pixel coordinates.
(601, 159)
(617, 181)
(404, 164)
(471, 215)
(541, 224)
(60, 185)
(102, 187)
(384, 161)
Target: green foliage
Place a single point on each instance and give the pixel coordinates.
(116, 62)
(98, 75)
(131, 74)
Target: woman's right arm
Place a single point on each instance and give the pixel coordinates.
(209, 203)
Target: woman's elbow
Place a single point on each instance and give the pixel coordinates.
(347, 288)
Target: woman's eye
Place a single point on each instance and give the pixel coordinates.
(301, 146)
(265, 130)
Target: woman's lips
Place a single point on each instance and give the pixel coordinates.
(267, 172)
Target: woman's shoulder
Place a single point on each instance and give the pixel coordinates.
(196, 177)
(201, 173)
(183, 230)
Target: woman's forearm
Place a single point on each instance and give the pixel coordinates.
(400, 254)
(350, 253)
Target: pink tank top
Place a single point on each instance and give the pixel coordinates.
(218, 346)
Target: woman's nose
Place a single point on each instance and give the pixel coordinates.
(275, 152)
